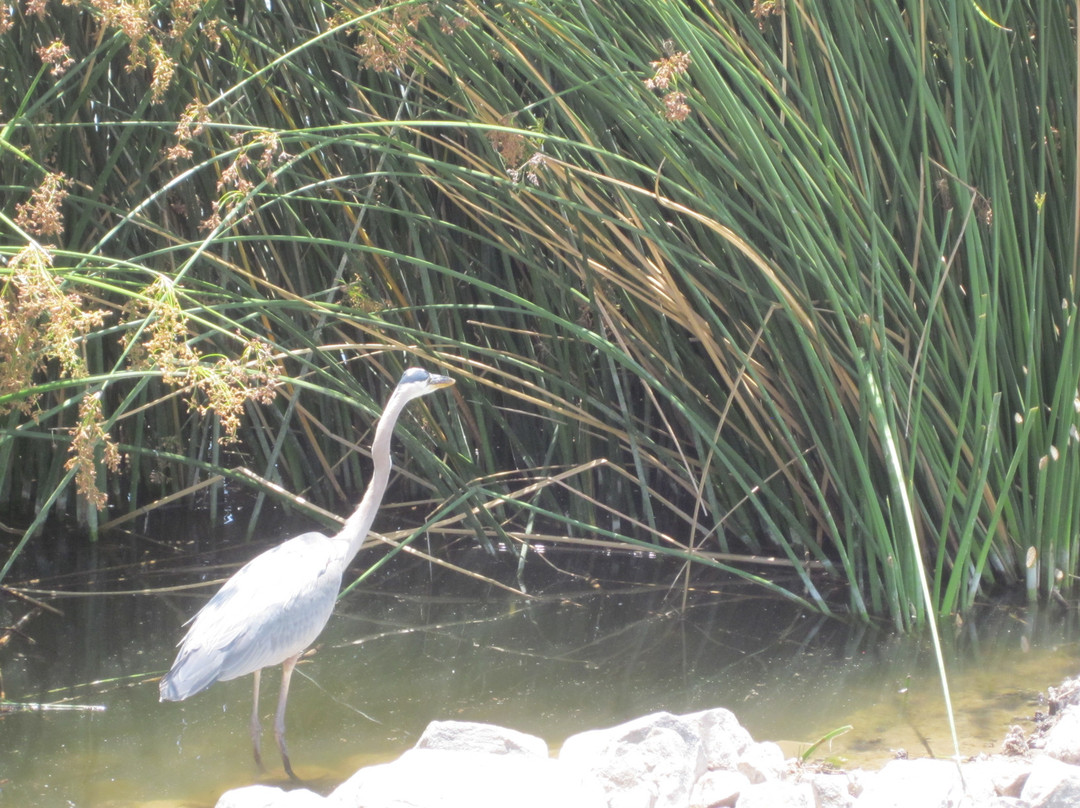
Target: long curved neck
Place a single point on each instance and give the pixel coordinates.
(358, 524)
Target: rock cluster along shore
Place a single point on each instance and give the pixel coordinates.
(701, 760)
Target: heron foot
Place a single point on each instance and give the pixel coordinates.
(256, 744)
(288, 767)
(279, 733)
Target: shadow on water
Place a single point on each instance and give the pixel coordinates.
(419, 643)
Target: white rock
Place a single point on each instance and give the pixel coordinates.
(1052, 784)
(463, 736)
(922, 783)
(762, 762)
(441, 778)
(833, 790)
(777, 794)
(1063, 739)
(722, 736)
(270, 797)
(651, 762)
(716, 788)
(1005, 775)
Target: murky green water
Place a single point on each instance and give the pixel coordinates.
(421, 643)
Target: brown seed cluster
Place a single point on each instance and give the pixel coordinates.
(91, 446)
(148, 27)
(523, 160)
(192, 123)
(57, 56)
(42, 215)
(675, 107)
(511, 146)
(41, 326)
(236, 186)
(41, 323)
(762, 9)
(217, 383)
(388, 42)
(666, 73)
(666, 70)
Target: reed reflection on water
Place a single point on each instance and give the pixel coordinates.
(418, 643)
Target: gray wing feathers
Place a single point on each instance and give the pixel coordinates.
(271, 609)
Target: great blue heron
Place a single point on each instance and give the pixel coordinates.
(278, 603)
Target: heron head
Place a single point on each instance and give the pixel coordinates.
(417, 382)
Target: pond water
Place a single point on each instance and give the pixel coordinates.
(418, 643)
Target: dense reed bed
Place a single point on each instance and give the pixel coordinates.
(730, 281)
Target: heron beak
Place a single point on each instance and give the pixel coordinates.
(440, 381)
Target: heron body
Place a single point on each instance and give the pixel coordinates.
(225, 643)
(278, 603)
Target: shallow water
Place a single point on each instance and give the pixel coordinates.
(419, 643)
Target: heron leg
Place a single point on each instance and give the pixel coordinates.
(256, 727)
(279, 720)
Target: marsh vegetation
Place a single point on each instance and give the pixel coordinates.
(726, 282)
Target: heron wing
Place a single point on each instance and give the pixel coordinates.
(271, 609)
